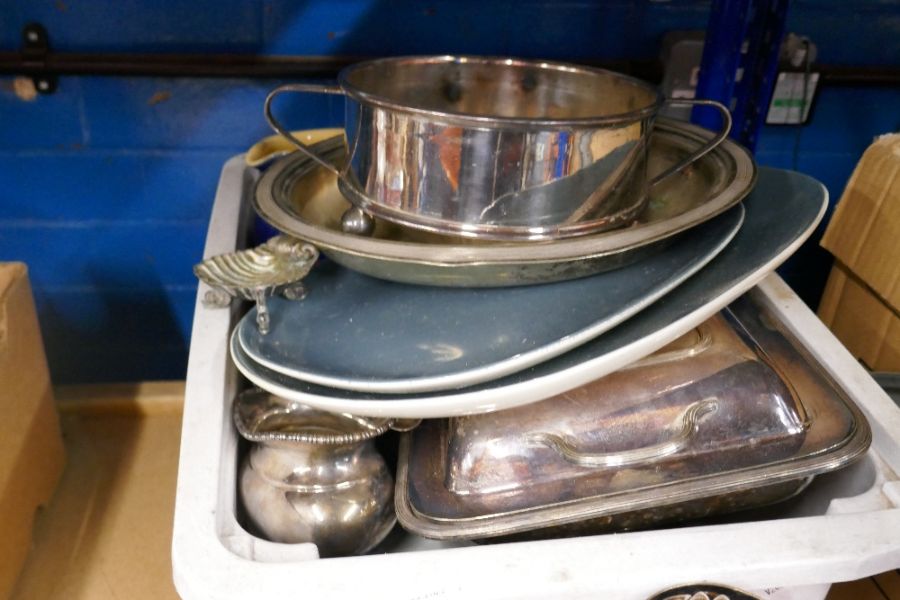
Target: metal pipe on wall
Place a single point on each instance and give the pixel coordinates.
(256, 66)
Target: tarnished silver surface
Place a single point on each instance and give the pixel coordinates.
(276, 266)
(495, 148)
(313, 476)
(298, 197)
(731, 416)
(685, 430)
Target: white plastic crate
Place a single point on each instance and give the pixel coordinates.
(845, 526)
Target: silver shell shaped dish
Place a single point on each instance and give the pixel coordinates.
(276, 266)
(299, 197)
(734, 415)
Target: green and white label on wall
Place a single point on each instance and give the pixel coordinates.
(789, 106)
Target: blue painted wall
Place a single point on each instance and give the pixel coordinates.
(106, 186)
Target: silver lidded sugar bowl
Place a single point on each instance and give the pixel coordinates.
(313, 476)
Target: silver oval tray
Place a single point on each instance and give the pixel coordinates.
(302, 199)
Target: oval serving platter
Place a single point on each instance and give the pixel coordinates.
(360, 333)
(781, 213)
(300, 198)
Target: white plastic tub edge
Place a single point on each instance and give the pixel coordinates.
(213, 557)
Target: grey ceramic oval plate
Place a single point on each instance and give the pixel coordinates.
(781, 213)
(359, 333)
(300, 198)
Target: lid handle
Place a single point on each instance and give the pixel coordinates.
(689, 421)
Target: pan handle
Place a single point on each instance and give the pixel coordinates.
(312, 88)
(690, 420)
(707, 147)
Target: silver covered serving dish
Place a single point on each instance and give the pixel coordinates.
(733, 415)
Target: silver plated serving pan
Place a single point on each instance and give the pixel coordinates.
(496, 148)
(300, 198)
(733, 415)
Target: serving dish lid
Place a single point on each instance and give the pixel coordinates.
(301, 198)
(734, 405)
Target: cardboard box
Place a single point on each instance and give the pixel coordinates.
(864, 324)
(31, 448)
(861, 303)
(107, 533)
